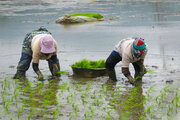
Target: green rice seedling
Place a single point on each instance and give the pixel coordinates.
(89, 64)
(161, 96)
(30, 116)
(40, 86)
(114, 100)
(6, 83)
(89, 115)
(112, 93)
(150, 90)
(75, 106)
(62, 72)
(16, 91)
(32, 110)
(20, 110)
(55, 113)
(148, 109)
(63, 86)
(70, 97)
(73, 114)
(91, 108)
(124, 116)
(7, 105)
(77, 86)
(173, 105)
(3, 97)
(88, 86)
(109, 115)
(132, 105)
(93, 15)
(160, 104)
(84, 97)
(150, 71)
(105, 88)
(99, 101)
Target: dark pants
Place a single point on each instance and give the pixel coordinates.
(24, 62)
(112, 60)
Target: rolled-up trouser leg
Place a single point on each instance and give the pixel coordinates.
(111, 61)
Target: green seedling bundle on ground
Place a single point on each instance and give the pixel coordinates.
(93, 15)
(89, 64)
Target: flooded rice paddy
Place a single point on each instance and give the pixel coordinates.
(75, 98)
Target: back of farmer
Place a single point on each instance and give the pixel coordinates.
(38, 45)
(130, 50)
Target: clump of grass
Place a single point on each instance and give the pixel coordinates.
(62, 72)
(84, 63)
(93, 15)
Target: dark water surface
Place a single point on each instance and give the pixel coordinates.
(157, 21)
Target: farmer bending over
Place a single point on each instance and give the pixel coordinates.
(129, 50)
(38, 44)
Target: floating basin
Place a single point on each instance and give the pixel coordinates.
(89, 72)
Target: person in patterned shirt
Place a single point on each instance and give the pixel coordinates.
(38, 45)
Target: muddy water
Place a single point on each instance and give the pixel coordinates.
(157, 21)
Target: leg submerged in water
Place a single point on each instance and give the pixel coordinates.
(112, 74)
(23, 66)
(111, 61)
(19, 75)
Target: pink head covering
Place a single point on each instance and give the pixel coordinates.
(47, 44)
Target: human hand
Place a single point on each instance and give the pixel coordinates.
(40, 76)
(55, 70)
(131, 79)
(142, 72)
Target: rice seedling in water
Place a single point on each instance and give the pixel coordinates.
(104, 102)
(89, 64)
(160, 97)
(150, 90)
(133, 104)
(173, 105)
(62, 72)
(166, 103)
(55, 113)
(147, 71)
(20, 110)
